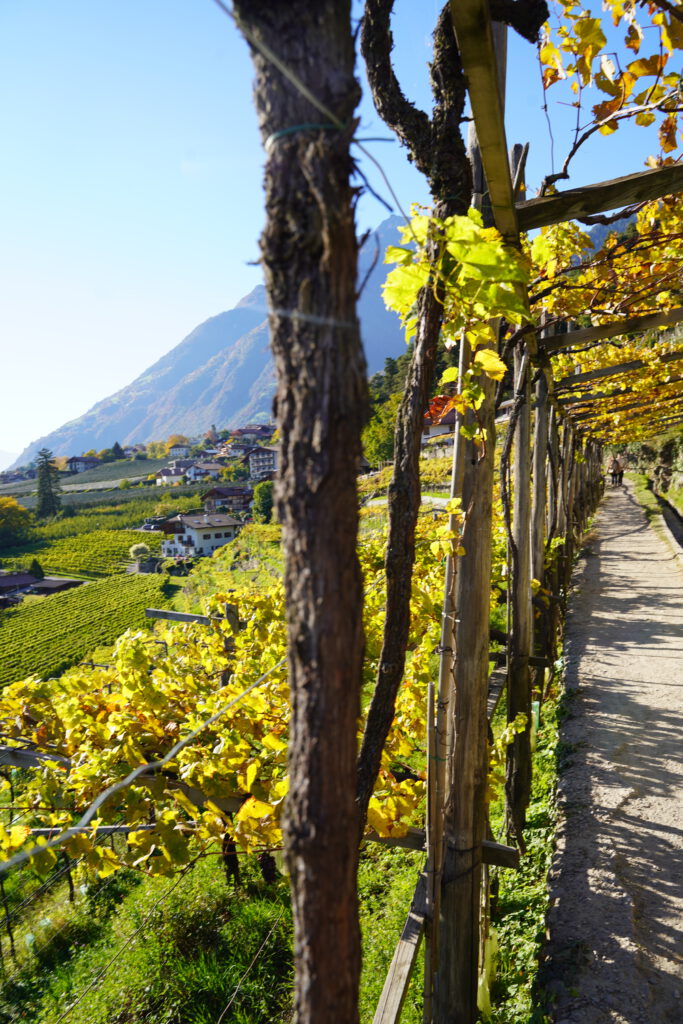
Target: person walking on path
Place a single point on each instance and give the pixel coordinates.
(614, 954)
(614, 469)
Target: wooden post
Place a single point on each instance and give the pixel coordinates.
(538, 501)
(455, 994)
(69, 876)
(437, 765)
(8, 920)
(456, 930)
(541, 623)
(518, 774)
(569, 482)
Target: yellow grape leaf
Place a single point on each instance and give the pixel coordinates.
(251, 773)
(667, 133)
(488, 362)
(273, 742)
(672, 34)
(402, 286)
(601, 111)
(550, 76)
(253, 808)
(378, 818)
(634, 36)
(647, 65)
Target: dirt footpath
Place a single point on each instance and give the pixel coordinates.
(615, 951)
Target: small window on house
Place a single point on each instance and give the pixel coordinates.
(206, 536)
(218, 534)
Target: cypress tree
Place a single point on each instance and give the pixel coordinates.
(48, 503)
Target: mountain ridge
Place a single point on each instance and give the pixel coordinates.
(222, 372)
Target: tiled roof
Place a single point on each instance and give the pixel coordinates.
(215, 519)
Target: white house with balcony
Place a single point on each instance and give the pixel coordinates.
(194, 535)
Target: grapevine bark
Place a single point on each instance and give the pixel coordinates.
(309, 253)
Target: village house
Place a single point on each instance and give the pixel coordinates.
(235, 449)
(437, 426)
(203, 471)
(237, 499)
(190, 535)
(179, 451)
(82, 463)
(174, 473)
(262, 462)
(168, 477)
(254, 432)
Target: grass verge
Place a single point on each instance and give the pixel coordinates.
(520, 909)
(182, 957)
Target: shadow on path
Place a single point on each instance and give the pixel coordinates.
(615, 951)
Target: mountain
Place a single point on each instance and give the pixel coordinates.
(222, 372)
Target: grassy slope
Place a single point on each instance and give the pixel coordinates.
(189, 957)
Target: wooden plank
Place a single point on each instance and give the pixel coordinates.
(414, 839)
(626, 325)
(583, 401)
(18, 757)
(162, 613)
(586, 412)
(604, 195)
(492, 853)
(398, 977)
(101, 832)
(473, 31)
(619, 368)
(499, 856)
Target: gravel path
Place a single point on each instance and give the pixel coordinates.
(615, 949)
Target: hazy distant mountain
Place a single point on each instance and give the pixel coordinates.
(221, 373)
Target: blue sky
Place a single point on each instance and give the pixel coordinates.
(131, 185)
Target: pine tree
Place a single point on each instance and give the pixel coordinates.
(48, 503)
(117, 451)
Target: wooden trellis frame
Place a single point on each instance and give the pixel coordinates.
(573, 487)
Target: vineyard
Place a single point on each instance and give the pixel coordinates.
(75, 500)
(112, 515)
(115, 471)
(400, 685)
(45, 638)
(89, 555)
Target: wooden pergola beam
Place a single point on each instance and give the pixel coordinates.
(605, 195)
(614, 371)
(591, 413)
(472, 26)
(628, 325)
(579, 400)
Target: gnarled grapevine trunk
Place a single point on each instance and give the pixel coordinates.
(309, 255)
